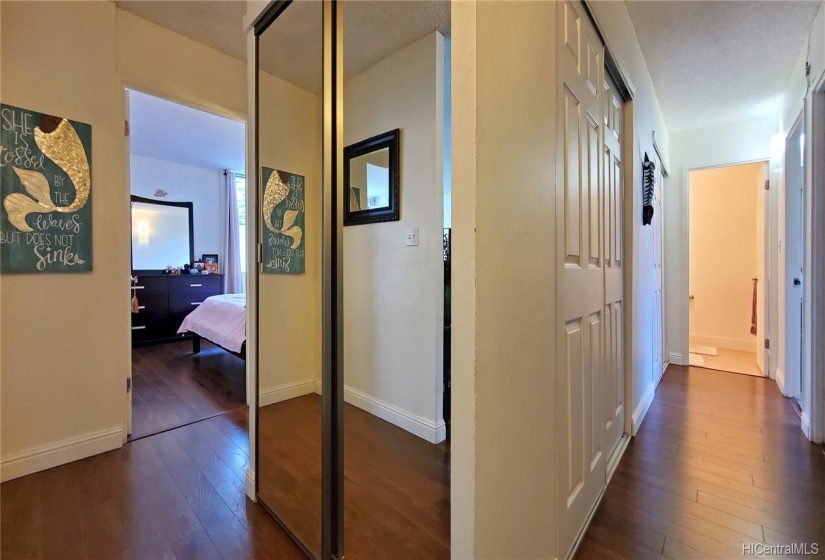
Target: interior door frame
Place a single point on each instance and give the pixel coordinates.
(685, 233)
(127, 85)
(790, 385)
(816, 301)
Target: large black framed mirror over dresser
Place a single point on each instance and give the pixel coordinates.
(162, 292)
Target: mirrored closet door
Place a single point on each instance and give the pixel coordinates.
(352, 446)
(289, 303)
(396, 451)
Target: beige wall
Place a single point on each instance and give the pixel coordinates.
(393, 294)
(503, 490)
(290, 304)
(723, 230)
(65, 349)
(726, 144)
(65, 337)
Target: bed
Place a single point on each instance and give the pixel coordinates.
(222, 321)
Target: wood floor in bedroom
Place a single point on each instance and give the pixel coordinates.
(172, 387)
(719, 467)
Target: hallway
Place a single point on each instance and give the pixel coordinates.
(720, 461)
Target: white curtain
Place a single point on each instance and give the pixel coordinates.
(232, 279)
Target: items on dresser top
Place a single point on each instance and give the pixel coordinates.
(164, 301)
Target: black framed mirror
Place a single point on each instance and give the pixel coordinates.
(162, 234)
(371, 185)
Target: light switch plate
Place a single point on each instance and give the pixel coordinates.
(412, 237)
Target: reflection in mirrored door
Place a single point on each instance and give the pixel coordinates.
(396, 451)
(290, 217)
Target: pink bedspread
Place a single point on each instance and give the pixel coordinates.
(221, 319)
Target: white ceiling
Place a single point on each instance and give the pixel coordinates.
(291, 47)
(720, 61)
(169, 131)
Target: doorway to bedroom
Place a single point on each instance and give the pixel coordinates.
(188, 264)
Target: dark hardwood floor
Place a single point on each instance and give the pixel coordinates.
(172, 387)
(174, 495)
(719, 462)
(396, 485)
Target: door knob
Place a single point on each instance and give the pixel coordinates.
(691, 296)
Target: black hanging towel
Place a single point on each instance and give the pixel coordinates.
(649, 175)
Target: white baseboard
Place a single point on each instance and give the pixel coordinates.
(641, 410)
(59, 453)
(806, 424)
(780, 380)
(272, 395)
(316, 387)
(249, 484)
(676, 358)
(747, 345)
(422, 427)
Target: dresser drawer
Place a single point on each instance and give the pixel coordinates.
(145, 327)
(186, 303)
(151, 286)
(195, 284)
(151, 305)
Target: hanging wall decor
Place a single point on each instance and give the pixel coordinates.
(46, 193)
(283, 222)
(648, 182)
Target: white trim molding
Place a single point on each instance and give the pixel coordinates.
(249, 484)
(641, 410)
(806, 423)
(417, 425)
(780, 381)
(272, 395)
(59, 453)
(676, 359)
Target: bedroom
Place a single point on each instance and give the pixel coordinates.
(188, 265)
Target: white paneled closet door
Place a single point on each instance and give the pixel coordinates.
(613, 261)
(658, 275)
(579, 271)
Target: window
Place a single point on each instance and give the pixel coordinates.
(240, 191)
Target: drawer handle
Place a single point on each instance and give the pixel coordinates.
(141, 307)
(195, 285)
(138, 328)
(138, 287)
(197, 302)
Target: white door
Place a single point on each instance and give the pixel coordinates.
(612, 221)
(794, 173)
(657, 344)
(579, 271)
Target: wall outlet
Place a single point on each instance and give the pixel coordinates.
(412, 237)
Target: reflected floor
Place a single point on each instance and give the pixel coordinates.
(397, 485)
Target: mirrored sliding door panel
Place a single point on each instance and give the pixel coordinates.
(396, 450)
(289, 221)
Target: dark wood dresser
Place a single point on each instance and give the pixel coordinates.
(163, 302)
